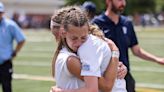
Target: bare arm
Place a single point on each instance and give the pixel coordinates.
(107, 81)
(91, 82)
(18, 48)
(74, 67)
(138, 51)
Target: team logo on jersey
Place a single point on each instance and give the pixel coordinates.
(106, 31)
(86, 67)
(124, 30)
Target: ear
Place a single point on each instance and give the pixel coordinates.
(62, 32)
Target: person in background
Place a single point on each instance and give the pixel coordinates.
(119, 29)
(16, 17)
(90, 9)
(9, 31)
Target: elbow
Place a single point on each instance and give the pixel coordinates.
(136, 54)
(137, 51)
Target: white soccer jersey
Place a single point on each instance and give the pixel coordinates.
(64, 79)
(95, 55)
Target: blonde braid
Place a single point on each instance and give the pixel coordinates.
(76, 17)
(57, 18)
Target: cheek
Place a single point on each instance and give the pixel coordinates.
(69, 42)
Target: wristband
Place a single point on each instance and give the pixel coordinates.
(116, 54)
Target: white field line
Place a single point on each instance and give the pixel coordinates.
(150, 85)
(148, 69)
(47, 78)
(39, 64)
(39, 39)
(32, 77)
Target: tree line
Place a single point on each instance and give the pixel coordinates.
(133, 6)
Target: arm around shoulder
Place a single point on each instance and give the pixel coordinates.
(74, 66)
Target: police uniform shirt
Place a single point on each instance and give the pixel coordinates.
(9, 31)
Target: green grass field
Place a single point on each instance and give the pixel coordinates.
(34, 60)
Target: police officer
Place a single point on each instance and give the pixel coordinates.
(121, 31)
(9, 31)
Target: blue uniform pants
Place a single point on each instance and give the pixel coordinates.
(6, 76)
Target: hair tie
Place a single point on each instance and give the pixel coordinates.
(54, 24)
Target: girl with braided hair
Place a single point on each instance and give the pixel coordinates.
(76, 34)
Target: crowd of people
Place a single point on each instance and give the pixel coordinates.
(31, 20)
(42, 20)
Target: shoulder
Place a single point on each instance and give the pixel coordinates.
(99, 18)
(9, 22)
(89, 43)
(72, 60)
(91, 46)
(125, 20)
(64, 54)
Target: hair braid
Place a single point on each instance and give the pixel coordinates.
(57, 18)
(76, 17)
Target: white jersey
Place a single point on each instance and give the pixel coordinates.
(64, 79)
(95, 55)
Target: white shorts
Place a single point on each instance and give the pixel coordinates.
(119, 86)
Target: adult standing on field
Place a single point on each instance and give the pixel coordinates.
(9, 31)
(119, 29)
